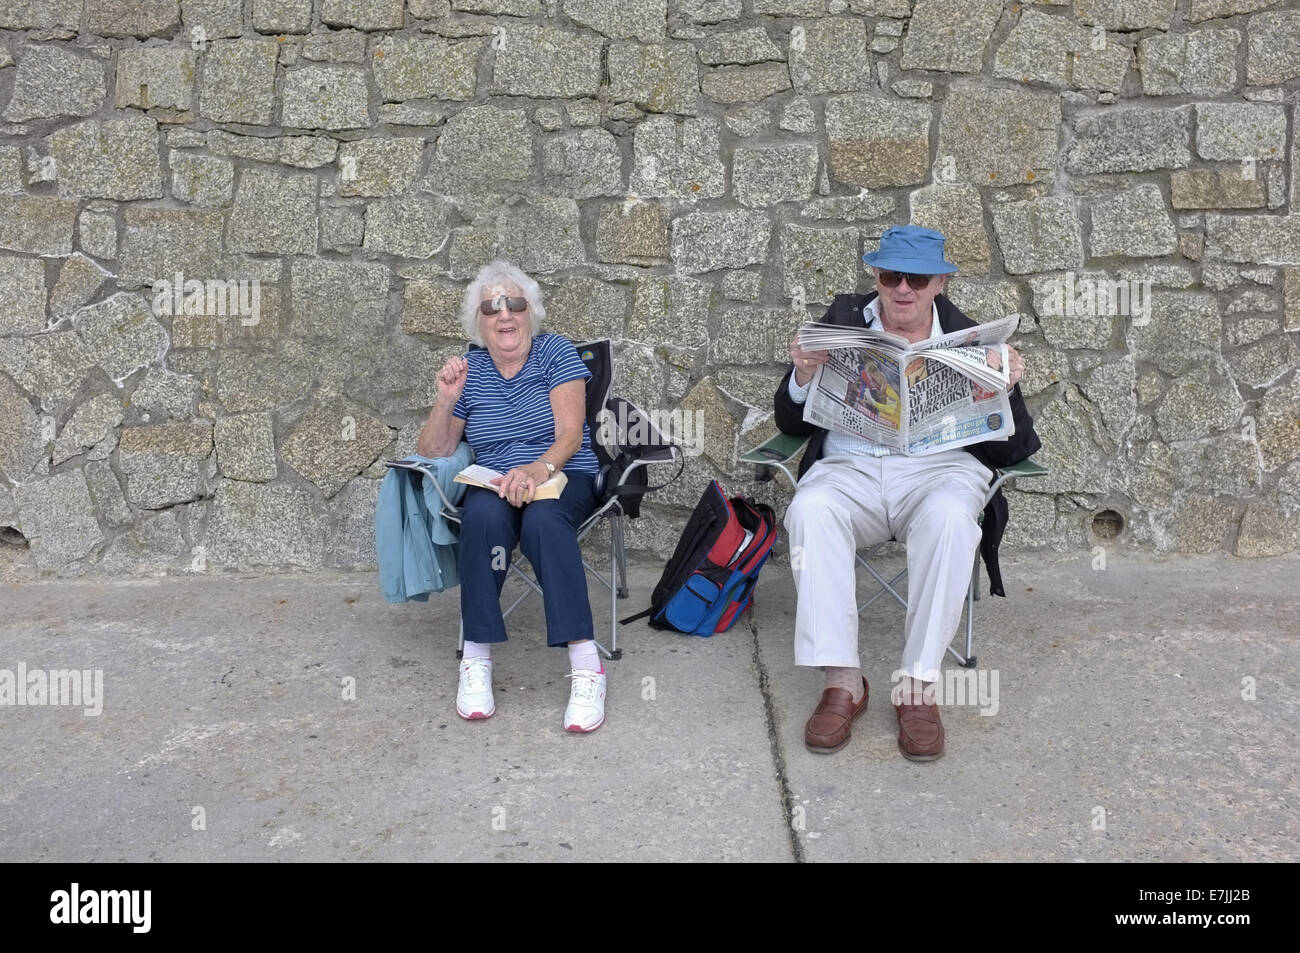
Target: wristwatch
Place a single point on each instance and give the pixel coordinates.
(550, 467)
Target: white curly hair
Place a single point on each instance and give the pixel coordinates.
(499, 272)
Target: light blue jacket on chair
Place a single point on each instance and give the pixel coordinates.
(417, 545)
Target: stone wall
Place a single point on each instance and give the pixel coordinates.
(690, 177)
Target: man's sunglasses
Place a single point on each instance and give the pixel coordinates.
(890, 279)
(493, 305)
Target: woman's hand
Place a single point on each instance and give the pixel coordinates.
(442, 429)
(806, 362)
(451, 379)
(518, 486)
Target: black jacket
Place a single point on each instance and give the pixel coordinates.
(847, 310)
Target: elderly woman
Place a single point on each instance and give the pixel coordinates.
(520, 403)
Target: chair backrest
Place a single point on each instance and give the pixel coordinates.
(602, 424)
(599, 358)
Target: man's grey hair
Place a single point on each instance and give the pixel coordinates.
(499, 272)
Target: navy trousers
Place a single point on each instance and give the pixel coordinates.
(546, 532)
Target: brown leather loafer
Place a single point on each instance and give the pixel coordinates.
(829, 727)
(920, 732)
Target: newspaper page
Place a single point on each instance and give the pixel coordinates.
(939, 394)
(859, 391)
(947, 409)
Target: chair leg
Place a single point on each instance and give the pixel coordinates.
(969, 660)
(615, 567)
(972, 593)
(528, 581)
(608, 584)
(460, 642)
(972, 597)
(622, 556)
(885, 587)
(970, 620)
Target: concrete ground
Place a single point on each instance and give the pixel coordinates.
(1143, 712)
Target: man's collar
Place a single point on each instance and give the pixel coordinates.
(872, 314)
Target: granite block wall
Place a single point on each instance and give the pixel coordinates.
(234, 235)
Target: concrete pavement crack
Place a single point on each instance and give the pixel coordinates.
(774, 741)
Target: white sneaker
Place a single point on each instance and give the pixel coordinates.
(474, 697)
(586, 711)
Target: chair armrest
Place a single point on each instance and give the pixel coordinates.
(449, 508)
(781, 448)
(1025, 468)
(669, 453)
(774, 453)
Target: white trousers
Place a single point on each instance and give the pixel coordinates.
(846, 502)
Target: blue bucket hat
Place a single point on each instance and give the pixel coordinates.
(911, 249)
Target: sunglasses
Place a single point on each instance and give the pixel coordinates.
(890, 279)
(493, 305)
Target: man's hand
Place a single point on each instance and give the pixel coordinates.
(806, 362)
(518, 486)
(1016, 366)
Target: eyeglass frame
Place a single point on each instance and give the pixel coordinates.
(901, 276)
(490, 306)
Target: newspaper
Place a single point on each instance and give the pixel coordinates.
(917, 398)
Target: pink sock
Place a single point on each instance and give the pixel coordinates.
(849, 679)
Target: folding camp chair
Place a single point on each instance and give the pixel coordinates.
(625, 441)
(778, 451)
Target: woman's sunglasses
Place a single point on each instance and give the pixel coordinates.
(890, 279)
(493, 305)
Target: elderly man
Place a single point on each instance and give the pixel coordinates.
(853, 493)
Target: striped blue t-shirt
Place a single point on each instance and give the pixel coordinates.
(509, 423)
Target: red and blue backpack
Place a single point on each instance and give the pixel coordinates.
(710, 579)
